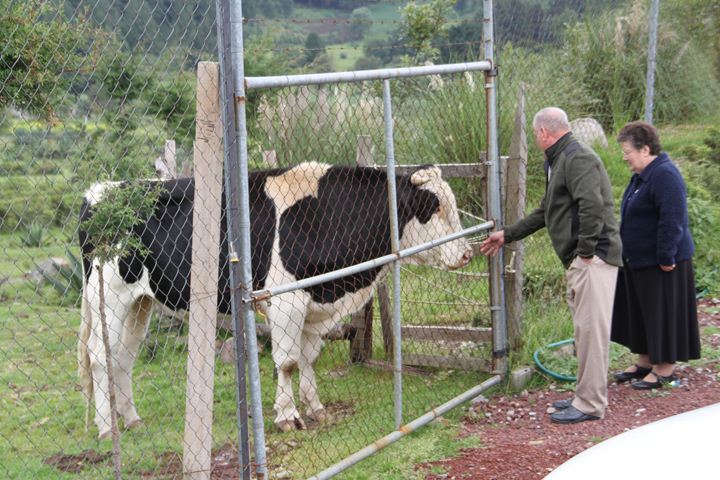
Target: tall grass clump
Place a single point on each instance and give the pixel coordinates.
(315, 124)
(607, 55)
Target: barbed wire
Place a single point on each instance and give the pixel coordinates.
(348, 21)
(353, 47)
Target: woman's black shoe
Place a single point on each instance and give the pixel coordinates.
(639, 372)
(643, 385)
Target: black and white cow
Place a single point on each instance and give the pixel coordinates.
(306, 220)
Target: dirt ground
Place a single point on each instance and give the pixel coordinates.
(520, 443)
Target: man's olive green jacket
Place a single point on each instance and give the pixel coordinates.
(577, 207)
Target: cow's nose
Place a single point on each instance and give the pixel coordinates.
(467, 256)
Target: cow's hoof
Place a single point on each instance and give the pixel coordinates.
(286, 426)
(318, 415)
(299, 424)
(294, 424)
(107, 435)
(134, 424)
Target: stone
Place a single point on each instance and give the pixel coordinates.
(520, 377)
(479, 399)
(226, 352)
(589, 131)
(49, 267)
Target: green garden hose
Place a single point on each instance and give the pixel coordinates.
(555, 375)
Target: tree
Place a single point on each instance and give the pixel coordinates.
(123, 76)
(313, 47)
(422, 24)
(39, 54)
(360, 22)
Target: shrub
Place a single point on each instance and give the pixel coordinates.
(48, 200)
(33, 235)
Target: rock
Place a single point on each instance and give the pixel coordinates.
(479, 400)
(226, 352)
(520, 377)
(49, 267)
(589, 131)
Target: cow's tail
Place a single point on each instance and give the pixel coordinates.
(84, 371)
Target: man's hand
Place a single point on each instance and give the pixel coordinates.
(491, 245)
(667, 268)
(586, 260)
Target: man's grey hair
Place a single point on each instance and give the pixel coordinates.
(553, 119)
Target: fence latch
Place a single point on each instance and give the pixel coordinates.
(510, 267)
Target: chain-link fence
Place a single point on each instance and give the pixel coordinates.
(445, 315)
(92, 91)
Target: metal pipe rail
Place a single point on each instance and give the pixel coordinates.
(362, 75)
(362, 267)
(406, 429)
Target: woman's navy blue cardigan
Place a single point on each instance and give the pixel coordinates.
(654, 219)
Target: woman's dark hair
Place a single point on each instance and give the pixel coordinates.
(640, 134)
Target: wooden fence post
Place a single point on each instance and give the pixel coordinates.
(208, 165)
(361, 344)
(515, 196)
(270, 158)
(166, 166)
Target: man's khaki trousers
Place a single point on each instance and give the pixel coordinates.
(590, 295)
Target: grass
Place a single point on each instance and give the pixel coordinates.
(344, 55)
(44, 409)
(386, 15)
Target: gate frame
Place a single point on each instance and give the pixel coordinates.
(240, 231)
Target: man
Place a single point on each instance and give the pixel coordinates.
(578, 211)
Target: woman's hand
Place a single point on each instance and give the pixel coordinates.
(667, 268)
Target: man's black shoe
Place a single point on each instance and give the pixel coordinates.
(562, 404)
(639, 372)
(571, 415)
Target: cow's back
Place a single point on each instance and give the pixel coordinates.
(167, 237)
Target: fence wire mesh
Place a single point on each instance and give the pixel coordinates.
(343, 221)
(91, 91)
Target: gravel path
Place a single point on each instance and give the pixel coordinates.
(518, 441)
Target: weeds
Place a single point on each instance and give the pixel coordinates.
(34, 235)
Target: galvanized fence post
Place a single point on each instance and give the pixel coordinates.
(652, 52)
(395, 247)
(497, 294)
(231, 179)
(243, 193)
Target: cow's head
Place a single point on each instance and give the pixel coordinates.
(431, 205)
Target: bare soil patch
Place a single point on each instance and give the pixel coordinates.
(520, 443)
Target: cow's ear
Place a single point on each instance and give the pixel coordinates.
(425, 204)
(421, 177)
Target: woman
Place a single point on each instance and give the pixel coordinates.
(655, 314)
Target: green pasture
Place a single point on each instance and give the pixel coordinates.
(43, 406)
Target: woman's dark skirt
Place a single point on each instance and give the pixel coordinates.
(655, 313)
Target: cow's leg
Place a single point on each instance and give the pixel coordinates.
(133, 334)
(311, 345)
(287, 316)
(118, 305)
